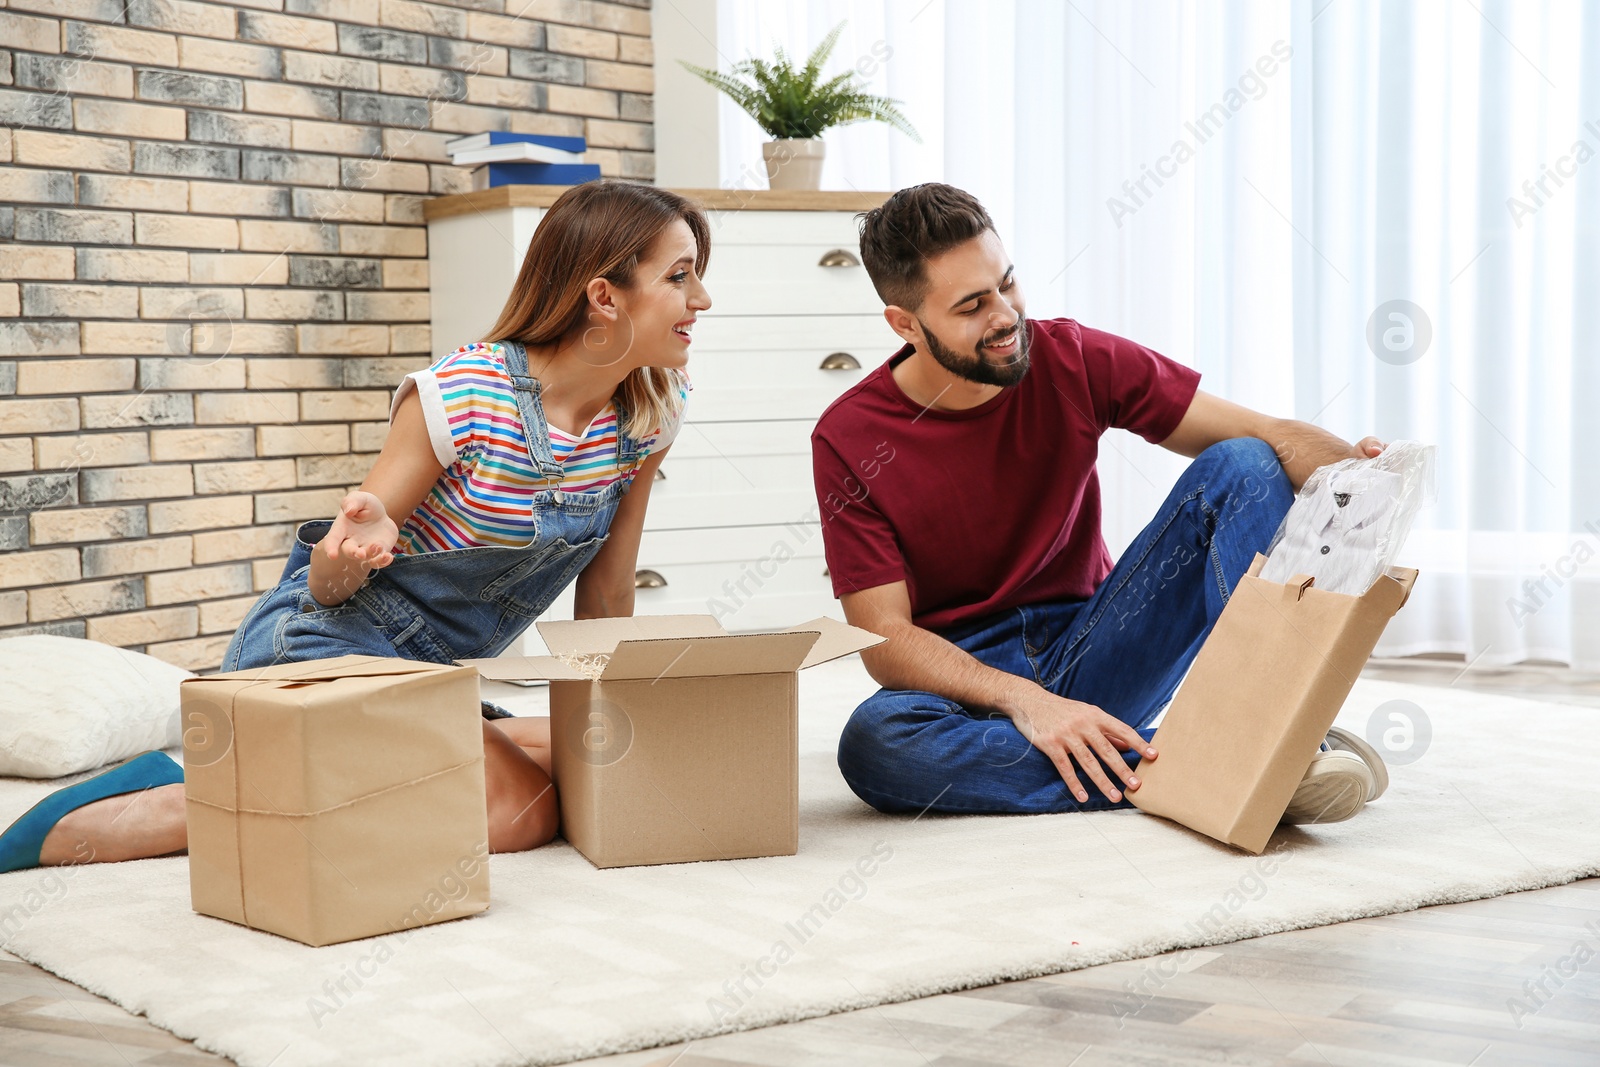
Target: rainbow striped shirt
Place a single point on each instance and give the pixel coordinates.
(485, 495)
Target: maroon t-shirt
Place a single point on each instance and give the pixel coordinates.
(999, 505)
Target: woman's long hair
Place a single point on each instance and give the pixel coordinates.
(600, 229)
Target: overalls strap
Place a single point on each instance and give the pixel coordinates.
(534, 426)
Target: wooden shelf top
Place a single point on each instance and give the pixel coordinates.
(504, 196)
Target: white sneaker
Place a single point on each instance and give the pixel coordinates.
(1342, 740)
(1336, 786)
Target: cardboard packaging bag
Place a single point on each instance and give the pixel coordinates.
(672, 740)
(337, 798)
(1258, 701)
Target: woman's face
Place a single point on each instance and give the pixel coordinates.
(657, 309)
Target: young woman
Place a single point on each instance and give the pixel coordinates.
(512, 467)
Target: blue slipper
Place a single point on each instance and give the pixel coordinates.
(20, 844)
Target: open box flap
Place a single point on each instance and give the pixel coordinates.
(701, 657)
(603, 635)
(325, 670)
(524, 669)
(1407, 577)
(838, 639)
(1403, 577)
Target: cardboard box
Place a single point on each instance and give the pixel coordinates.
(672, 740)
(338, 798)
(1258, 701)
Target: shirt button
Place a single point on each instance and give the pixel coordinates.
(1324, 550)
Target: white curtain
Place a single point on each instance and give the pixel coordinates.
(1248, 187)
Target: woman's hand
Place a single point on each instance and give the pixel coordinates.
(363, 535)
(362, 531)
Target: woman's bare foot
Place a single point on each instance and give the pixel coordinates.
(132, 826)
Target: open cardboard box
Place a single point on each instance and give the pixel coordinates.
(673, 740)
(1263, 690)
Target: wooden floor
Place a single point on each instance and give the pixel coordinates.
(1457, 984)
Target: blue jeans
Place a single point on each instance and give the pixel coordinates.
(1124, 650)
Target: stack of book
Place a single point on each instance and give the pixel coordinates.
(502, 158)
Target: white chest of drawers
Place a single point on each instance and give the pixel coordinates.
(733, 527)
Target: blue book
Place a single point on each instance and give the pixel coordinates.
(492, 174)
(494, 137)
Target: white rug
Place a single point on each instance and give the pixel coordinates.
(572, 962)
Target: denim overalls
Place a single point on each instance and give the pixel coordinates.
(442, 606)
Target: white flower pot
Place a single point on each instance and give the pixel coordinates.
(794, 163)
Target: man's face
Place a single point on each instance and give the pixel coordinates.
(972, 315)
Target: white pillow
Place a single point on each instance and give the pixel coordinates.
(68, 705)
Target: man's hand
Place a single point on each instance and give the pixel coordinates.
(1367, 447)
(362, 531)
(1070, 731)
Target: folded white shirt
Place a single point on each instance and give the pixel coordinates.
(1338, 532)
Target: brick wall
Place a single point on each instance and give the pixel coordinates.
(213, 271)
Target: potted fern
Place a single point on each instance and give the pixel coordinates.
(796, 106)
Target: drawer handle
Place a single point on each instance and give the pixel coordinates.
(839, 257)
(841, 361)
(661, 475)
(826, 573)
(648, 579)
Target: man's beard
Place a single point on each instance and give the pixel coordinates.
(978, 367)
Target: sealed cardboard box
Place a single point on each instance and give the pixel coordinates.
(672, 740)
(1258, 701)
(338, 798)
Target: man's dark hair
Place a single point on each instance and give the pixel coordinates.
(899, 237)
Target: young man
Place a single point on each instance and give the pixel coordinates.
(961, 520)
